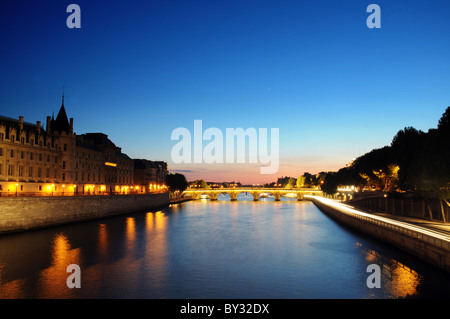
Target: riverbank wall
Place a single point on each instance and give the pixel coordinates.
(26, 213)
(425, 245)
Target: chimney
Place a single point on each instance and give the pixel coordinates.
(21, 122)
(71, 126)
(38, 126)
(48, 124)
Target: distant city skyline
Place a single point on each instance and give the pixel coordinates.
(335, 88)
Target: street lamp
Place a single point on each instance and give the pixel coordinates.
(16, 188)
(53, 185)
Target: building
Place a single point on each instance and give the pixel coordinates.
(30, 157)
(150, 175)
(56, 161)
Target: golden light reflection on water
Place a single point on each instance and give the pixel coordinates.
(156, 250)
(102, 241)
(53, 279)
(404, 282)
(400, 280)
(130, 232)
(10, 290)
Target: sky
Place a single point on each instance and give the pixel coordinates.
(138, 70)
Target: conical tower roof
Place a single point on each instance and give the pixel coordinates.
(61, 124)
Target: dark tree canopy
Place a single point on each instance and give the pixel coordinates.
(421, 161)
(176, 182)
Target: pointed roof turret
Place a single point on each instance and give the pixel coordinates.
(61, 124)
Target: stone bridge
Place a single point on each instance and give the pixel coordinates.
(213, 193)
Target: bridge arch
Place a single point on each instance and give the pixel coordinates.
(244, 195)
(268, 196)
(224, 196)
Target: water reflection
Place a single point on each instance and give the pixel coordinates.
(155, 266)
(10, 290)
(102, 241)
(130, 233)
(400, 281)
(52, 281)
(205, 249)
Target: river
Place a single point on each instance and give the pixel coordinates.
(212, 249)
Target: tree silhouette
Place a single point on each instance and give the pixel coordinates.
(176, 182)
(415, 161)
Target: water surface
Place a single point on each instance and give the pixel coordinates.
(204, 249)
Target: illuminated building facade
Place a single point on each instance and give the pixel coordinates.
(29, 157)
(149, 175)
(56, 161)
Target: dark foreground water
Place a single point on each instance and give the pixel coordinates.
(206, 249)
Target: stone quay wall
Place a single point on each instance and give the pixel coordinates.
(25, 213)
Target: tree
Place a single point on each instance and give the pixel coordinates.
(291, 183)
(301, 181)
(176, 182)
(200, 184)
(444, 121)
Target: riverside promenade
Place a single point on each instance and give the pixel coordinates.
(428, 240)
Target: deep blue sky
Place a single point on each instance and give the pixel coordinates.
(136, 70)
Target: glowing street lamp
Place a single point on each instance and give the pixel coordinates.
(16, 188)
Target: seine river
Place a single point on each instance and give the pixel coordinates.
(204, 249)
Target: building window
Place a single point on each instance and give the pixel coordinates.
(63, 176)
(64, 165)
(31, 156)
(20, 171)
(2, 136)
(40, 143)
(40, 157)
(40, 187)
(10, 170)
(1, 151)
(30, 171)
(47, 172)
(65, 147)
(39, 172)
(32, 141)
(12, 138)
(22, 154)
(12, 153)
(1, 169)
(48, 158)
(22, 140)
